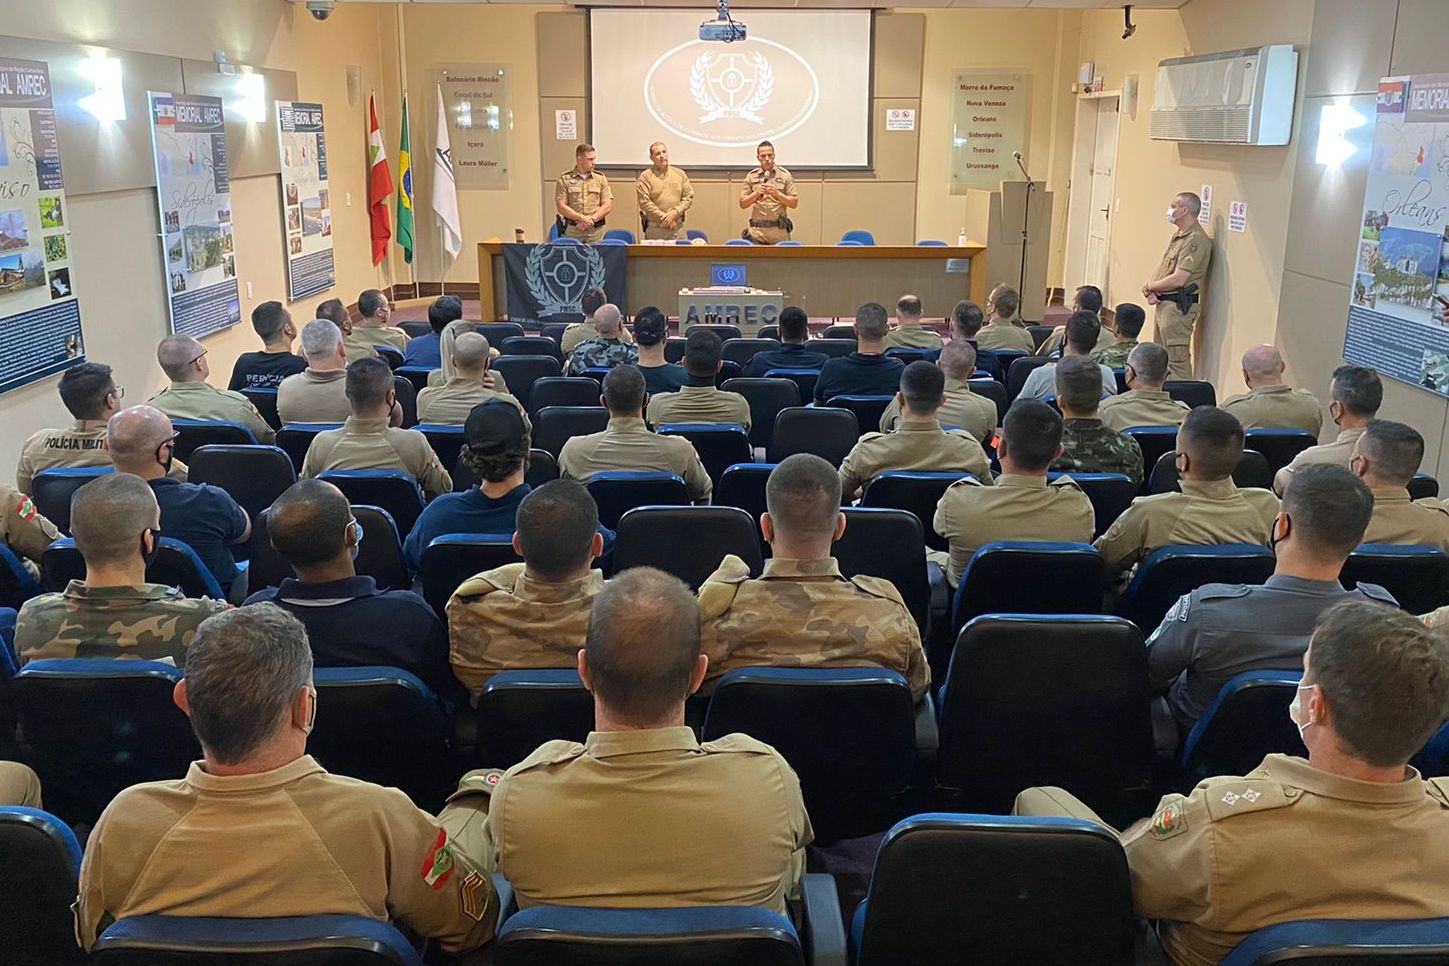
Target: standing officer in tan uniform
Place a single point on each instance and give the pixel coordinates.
(1209, 510)
(367, 442)
(963, 409)
(257, 828)
(919, 442)
(1022, 505)
(1356, 395)
(1185, 262)
(699, 401)
(801, 612)
(532, 614)
(583, 197)
(1386, 457)
(91, 395)
(665, 194)
(1145, 403)
(628, 443)
(1270, 403)
(770, 195)
(1354, 832)
(190, 396)
(641, 814)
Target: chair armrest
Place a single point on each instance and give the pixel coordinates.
(928, 733)
(823, 924)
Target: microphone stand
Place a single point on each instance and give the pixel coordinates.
(1025, 231)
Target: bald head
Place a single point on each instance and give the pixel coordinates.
(642, 653)
(470, 354)
(957, 360)
(309, 523)
(1263, 366)
(608, 320)
(182, 358)
(135, 435)
(108, 516)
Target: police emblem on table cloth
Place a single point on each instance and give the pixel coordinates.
(558, 276)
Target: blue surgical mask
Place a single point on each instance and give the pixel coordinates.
(357, 530)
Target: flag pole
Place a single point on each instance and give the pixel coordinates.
(402, 63)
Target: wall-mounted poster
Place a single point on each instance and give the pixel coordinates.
(306, 201)
(39, 314)
(1398, 311)
(989, 110)
(193, 191)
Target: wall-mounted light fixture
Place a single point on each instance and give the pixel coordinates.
(108, 103)
(1334, 122)
(251, 101)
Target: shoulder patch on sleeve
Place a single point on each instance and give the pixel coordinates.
(1180, 610)
(878, 587)
(1439, 790)
(966, 481)
(1375, 592)
(1066, 482)
(1169, 820)
(499, 578)
(1227, 798)
(1222, 591)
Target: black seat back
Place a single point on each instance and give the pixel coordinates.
(522, 372)
(686, 541)
(454, 557)
(741, 351)
(555, 425)
(766, 398)
(1170, 572)
(52, 490)
(41, 859)
(719, 446)
(1252, 471)
(407, 398)
(498, 333)
(1024, 577)
(697, 936)
(446, 441)
(532, 345)
(191, 433)
(520, 710)
(1278, 446)
(393, 490)
(253, 476)
(916, 492)
(616, 493)
(1192, 392)
(325, 940)
(1417, 576)
(1245, 723)
(889, 544)
(1111, 494)
(265, 399)
(868, 410)
(1016, 376)
(994, 391)
(827, 432)
(561, 391)
(294, 439)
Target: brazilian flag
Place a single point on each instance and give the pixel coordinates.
(405, 193)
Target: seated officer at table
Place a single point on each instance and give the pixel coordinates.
(1145, 403)
(450, 403)
(794, 351)
(698, 401)
(867, 371)
(963, 409)
(919, 442)
(642, 814)
(257, 828)
(1354, 832)
(801, 612)
(1386, 457)
(190, 396)
(909, 333)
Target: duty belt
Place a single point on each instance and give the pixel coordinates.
(772, 223)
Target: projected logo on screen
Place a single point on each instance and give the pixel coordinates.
(751, 92)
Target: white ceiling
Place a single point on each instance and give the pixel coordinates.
(842, 4)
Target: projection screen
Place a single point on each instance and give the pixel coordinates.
(802, 81)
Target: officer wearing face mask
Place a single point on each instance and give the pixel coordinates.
(113, 612)
(1186, 262)
(1354, 832)
(1220, 630)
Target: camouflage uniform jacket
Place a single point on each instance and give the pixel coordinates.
(1115, 355)
(803, 613)
(1093, 448)
(148, 622)
(602, 354)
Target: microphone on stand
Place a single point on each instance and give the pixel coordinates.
(1025, 220)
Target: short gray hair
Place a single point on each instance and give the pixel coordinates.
(320, 338)
(108, 516)
(243, 670)
(1149, 361)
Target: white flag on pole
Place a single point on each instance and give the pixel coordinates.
(445, 189)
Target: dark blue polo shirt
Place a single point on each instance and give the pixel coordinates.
(424, 350)
(206, 519)
(472, 511)
(665, 378)
(859, 375)
(786, 357)
(350, 623)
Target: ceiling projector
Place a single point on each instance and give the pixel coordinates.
(722, 29)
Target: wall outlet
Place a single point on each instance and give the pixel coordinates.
(249, 289)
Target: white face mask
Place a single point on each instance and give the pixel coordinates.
(1171, 216)
(1295, 709)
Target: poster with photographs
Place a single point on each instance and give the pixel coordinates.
(193, 191)
(306, 202)
(39, 313)
(1398, 313)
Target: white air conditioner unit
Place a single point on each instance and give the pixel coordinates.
(1233, 97)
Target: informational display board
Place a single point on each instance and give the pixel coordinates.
(306, 200)
(39, 315)
(479, 108)
(1398, 313)
(193, 191)
(988, 123)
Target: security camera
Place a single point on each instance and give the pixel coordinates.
(321, 9)
(1128, 27)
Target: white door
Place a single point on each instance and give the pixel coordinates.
(1093, 187)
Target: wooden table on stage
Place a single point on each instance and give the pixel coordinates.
(824, 280)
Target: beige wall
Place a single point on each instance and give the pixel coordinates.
(117, 259)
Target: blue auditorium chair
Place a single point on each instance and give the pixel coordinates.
(1417, 575)
(1278, 446)
(693, 233)
(519, 710)
(769, 332)
(531, 345)
(555, 331)
(889, 544)
(328, 940)
(1246, 722)
(686, 541)
(1170, 572)
(379, 555)
(452, 558)
(1192, 392)
(839, 332)
(417, 375)
(835, 346)
(1423, 485)
(522, 372)
(993, 390)
(264, 398)
(618, 491)
(719, 445)
(740, 350)
(1016, 376)
(931, 243)
(1027, 577)
(1040, 333)
(766, 397)
(674, 347)
(407, 399)
(1252, 471)
(868, 409)
(392, 355)
(555, 425)
(175, 565)
(738, 241)
(724, 330)
(296, 438)
(1010, 889)
(1047, 700)
(743, 486)
(253, 476)
(912, 354)
(1004, 360)
(416, 327)
(804, 380)
(446, 441)
(828, 432)
(1111, 494)
(499, 332)
(16, 584)
(915, 491)
(1345, 942)
(832, 725)
(622, 234)
(564, 240)
(53, 489)
(1154, 441)
(556, 390)
(859, 236)
(41, 859)
(395, 491)
(191, 433)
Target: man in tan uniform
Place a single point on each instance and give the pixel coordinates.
(450, 403)
(700, 402)
(318, 394)
(534, 614)
(963, 409)
(1386, 457)
(628, 443)
(1270, 403)
(919, 442)
(113, 612)
(376, 310)
(1186, 262)
(1356, 396)
(355, 345)
(22, 528)
(665, 194)
(583, 197)
(19, 786)
(1022, 505)
(590, 302)
(1354, 832)
(258, 829)
(190, 396)
(1210, 509)
(770, 195)
(91, 395)
(1088, 298)
(367, 442)
(1145, 403)
(909, 333)
(641, 814)
(1004, 328)
(801, 612)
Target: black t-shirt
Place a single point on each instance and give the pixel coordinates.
(859, 375)
(665, 378)
(793, 356)
(264, 370)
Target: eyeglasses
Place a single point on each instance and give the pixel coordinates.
(198, 358)
(118, 391)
